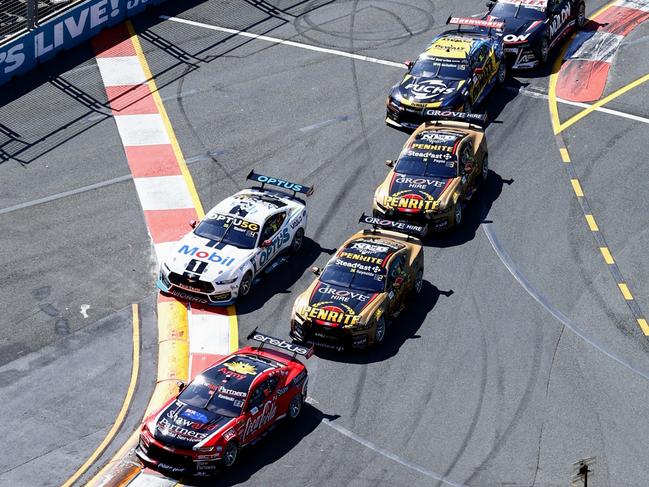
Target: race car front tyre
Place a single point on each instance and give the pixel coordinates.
(295, 406)
(419, 282)
(544, 51)
(581, 15)
(502, 72)
(230, 454)
(468, 106)
(457, 213)
(298, 238)
(379, 331)
(485, 167)
(246, 284)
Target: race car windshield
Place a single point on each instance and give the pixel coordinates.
(504, 10)
(438, 68)
(341, 273)
(432, 167)
(228, 230)
(204, 394)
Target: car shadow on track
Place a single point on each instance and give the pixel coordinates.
(282, 278)
(474, 215)
(280, 440)
(403, 328)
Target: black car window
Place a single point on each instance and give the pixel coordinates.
(439, 68)
(397, 268)
(480, 56)
(228, 230)
(272, 225)
(257, 396)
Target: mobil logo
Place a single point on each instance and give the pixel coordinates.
(210, 256)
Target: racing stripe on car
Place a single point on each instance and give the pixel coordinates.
(588, 60)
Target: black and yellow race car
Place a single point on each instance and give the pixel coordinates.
(457, 71)
(363, 288)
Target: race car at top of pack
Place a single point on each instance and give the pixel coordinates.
(439, 169)
(239, 238)
(229, 405)
(362, 288)
(534, 27)
(456, 72)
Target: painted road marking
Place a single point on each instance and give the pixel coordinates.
(565, 156)
(594, 46)
(135, 370)
(592, 224)
(142, 129)
(121, 71)
(624, 289)
(285, 42)
(606, 253)
(164, 193)
(577, 187)
(644, 326)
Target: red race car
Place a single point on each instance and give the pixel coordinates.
(228, 406)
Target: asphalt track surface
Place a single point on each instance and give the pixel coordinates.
(480, 384)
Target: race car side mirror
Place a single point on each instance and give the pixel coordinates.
(478, 71)
(389, 163)
(181, 386)
(408, 63)
(266, 243)
(315, 270)
(192, 223)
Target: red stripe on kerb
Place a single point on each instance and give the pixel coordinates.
(582, 80)
(169, 225)
(114, 42)
(620, 20)
(152, 160)
(163, 298)
(201, 309)
(131, 100)
(201, 361)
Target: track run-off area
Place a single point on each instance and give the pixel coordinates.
(528, 351)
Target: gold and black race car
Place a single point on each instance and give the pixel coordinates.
(362, 288)
(437, 173)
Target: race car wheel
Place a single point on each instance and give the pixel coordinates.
(230, 454)
(502, 72)
(295, 406)
(298, 238)
(468, 106)
(246, 284)
(544, 51)
(581, 15)
(485, 167)
(379, 331)
(419, 281)
(457, 214)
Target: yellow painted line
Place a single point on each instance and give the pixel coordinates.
(624, 289)
(135, 369)
(577, 187)
(565, 156)
(608, 258)
(643, 325)
(234, 329)
(587, 111)
(167, 123)
(592, 224)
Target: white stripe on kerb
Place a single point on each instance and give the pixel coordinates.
(634, 4)
(145, 479)
(138, 130)
(163, 193)
(121, 71)
(165, 249)
(598, 46)
(209, 333)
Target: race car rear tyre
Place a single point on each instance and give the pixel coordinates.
(295, 406)
(379, 331)
(246, 284)
(502, 73)
(581, 15)
(544, 51)
(298, 238)
(419, 282)
(457, 214)
(230, 454)
(485, 167)
(468, 107)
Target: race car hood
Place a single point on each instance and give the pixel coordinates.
(217, 261)
(339, 305)
(427, 92)
(183, 426)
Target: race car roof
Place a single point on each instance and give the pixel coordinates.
(438, 140)
(451, 46)
(540, 4)
(238, 372)
(251, 205)
(365, 248)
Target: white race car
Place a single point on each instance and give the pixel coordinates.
(238, 239)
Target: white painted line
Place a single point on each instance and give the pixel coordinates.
(617, 113)
(145, 479)
(121, 71)
(285, 42)
(634, 4)
(209, 333)
(163, 193)
(599, 46)
(137, 130)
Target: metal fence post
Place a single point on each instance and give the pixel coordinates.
(32, 14)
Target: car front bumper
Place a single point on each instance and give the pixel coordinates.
(177, 462)
(330, 338)
(223, 295)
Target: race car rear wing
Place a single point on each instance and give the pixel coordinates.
(279, 343)
(486, 24)
(280, 183)
(475, 118)
(397, 226)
